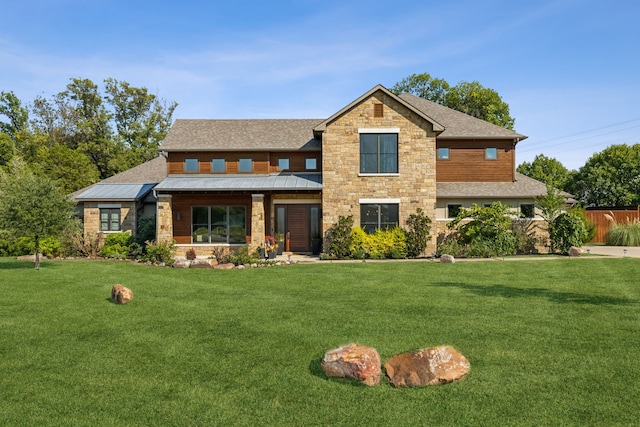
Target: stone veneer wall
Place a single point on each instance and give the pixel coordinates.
(164, 219)
(415, 185)
(92, 216)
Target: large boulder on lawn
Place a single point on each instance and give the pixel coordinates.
(121, 294)
(353, 361)
(447, 259)
(574, 251)
(429, 366)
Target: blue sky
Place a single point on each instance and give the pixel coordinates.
(567, 68)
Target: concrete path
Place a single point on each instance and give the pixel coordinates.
(616, 251)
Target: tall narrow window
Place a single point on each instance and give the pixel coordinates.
(191, 165)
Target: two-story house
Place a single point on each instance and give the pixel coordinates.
(380, 158)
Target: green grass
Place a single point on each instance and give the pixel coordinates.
(550, 342)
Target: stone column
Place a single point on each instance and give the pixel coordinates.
(257, 221)
(164, 218)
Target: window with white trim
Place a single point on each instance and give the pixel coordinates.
(378, 153)
(375, 216)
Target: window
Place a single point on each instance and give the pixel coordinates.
(218, 165)
(311, 163)
(378, 216)
(378, 110)
(218, 224)
(109, 219)
(443, 153)
(283, 164)
(191, 165)
(453, 210)
(491, 153)
(527, 210)
(245, 165)
(378, 153)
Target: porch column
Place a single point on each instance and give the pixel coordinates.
(164, 218)
(257, 221)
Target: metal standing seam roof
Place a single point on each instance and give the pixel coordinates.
(241, 182)
(116, 192)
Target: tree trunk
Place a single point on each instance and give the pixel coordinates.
(37, 255)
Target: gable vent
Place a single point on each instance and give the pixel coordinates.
(378, 110)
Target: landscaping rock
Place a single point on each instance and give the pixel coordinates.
(353, 361)
(429, 366)
(447, 259)
(182, 263)
(225, 266)
(200, 263)
(575, 251)
(120, 294)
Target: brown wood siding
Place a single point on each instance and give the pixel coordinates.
(182, 203)
(263, 162)
(621, 215)
(467, 162)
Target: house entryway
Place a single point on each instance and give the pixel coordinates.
(300, 224)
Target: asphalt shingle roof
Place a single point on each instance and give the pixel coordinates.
(242, 135)
(522, 187)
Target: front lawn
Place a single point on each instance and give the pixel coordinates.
(550, 342)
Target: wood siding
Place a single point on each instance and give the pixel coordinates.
(621, 215)
(467, 162)
(263, 162)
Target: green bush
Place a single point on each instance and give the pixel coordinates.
(418, 232)
(626, 234)
(116, 245)
(161, 252)
(567, 229)
(146, 230)
(451, 245)
(243, 257)
(524, 233)
(49, 246)
(339, 238)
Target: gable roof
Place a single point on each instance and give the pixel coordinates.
(241, 135)
(437, 127)
(459, 125)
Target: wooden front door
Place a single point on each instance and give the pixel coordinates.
(299, 223)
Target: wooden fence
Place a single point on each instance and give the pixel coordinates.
(621, 215)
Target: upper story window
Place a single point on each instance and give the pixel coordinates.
(191, 165)
(443, 153)
(378, 153)
(218, 165)
(283, 164)
(245, 164)
(491, 153)
(311, 163)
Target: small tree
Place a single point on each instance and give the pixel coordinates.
(31, 205)
(550, 205)
(568, 229)
(418, 234)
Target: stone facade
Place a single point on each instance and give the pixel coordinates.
(414, 186)
(257, 221)
(164, 219)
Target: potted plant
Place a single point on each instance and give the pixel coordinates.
(279, 242)
(270, 247)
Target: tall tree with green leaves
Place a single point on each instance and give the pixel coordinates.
(31, 205)
(548, 170)
(468, 97)
(610, 177)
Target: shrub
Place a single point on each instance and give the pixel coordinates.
(388, 243)
(116, 245)
(524, 233)
(567, 230)
(417, 235)
(243, 257)
(146, 230)
(190, 254)
(625, 234)
(451, 245)
(339, 237)
(161, 252)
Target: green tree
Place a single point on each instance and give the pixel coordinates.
(141, 119)
(71, 169)
(16, 116)
(568, 229)
(32, 206)
(468, 97)
(610, 177)
(548, 170)
(550, 205)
